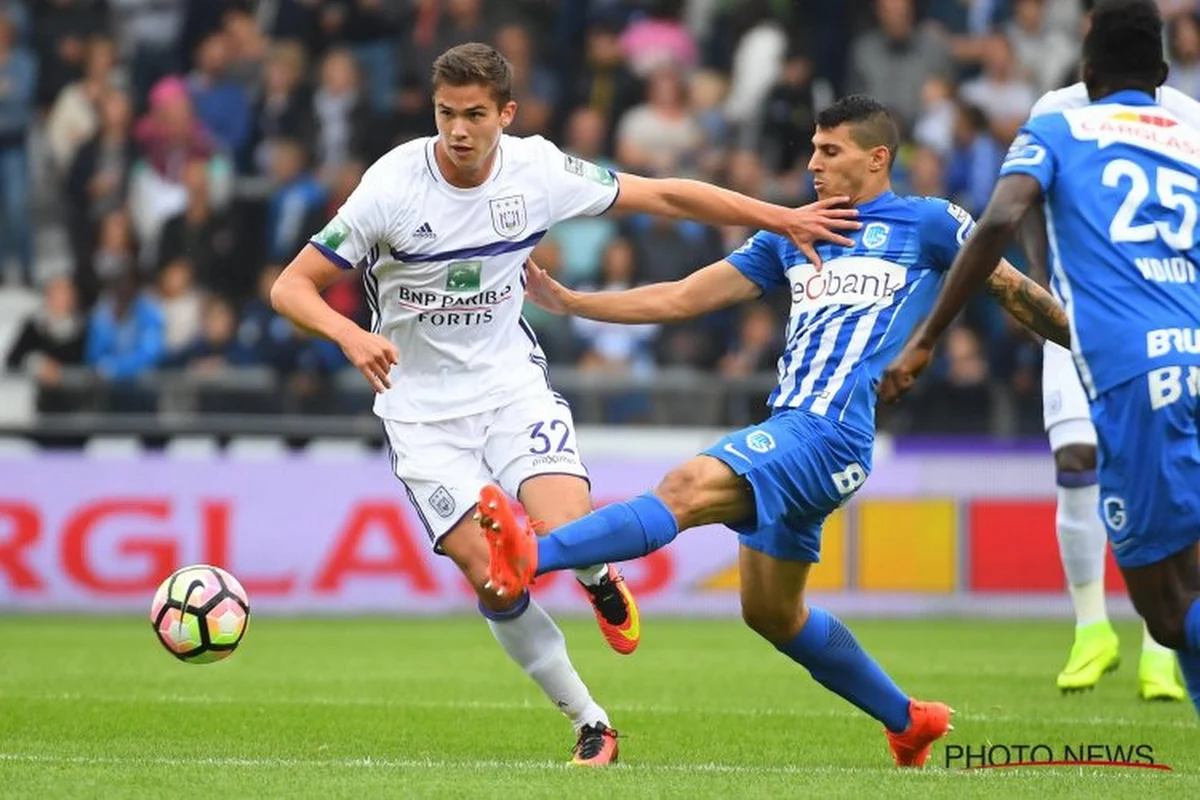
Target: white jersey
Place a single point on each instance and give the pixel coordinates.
(1075, 96)
(443, 269)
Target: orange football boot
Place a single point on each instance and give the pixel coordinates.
(616, 612)
(512, 561)
(597, 746)
(928, 722)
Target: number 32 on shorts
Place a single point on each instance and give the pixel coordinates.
(553, 436)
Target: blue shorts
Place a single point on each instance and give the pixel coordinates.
(802, 467)
(1148, 433)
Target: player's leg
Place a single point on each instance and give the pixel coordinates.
(1167, 596)
(532, 452)
(772, 595)
(442, 471)
(1081, 539)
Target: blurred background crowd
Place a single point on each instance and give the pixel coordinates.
(160, 160)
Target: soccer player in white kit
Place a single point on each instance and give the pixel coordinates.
(1081, 538)
(442, 227)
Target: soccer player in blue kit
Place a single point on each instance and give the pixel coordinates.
(1118, 179)
(775, 483)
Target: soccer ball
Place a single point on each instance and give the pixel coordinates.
(200, 614)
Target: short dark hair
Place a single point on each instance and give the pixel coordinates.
(871, 124)
(1125, 44)
(475, 63)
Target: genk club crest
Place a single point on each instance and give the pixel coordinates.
(509, 218)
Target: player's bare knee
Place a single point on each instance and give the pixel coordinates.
(775, 622)
(1075, 458)
(693, 489)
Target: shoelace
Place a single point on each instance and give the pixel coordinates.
(607, 596)
(591, 741)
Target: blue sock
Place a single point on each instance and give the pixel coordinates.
(828, 650)
(618, 532)
(1189, 660)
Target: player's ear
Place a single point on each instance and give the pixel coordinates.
(880, 158)
(507, 112)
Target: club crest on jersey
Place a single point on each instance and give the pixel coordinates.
(876, 235)
(464, 276)
(442, 502)
(509, 218)
(760, 441)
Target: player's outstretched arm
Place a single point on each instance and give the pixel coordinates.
(1029, 304)
(687, 199)
(716, 286)
(984, 248)
(296, 295)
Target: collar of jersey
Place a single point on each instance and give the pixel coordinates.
(1126, 97)
(875, 202)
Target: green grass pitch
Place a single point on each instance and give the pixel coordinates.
(381, 707)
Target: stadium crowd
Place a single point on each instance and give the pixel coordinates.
(160, 160)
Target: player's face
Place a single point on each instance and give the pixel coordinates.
(839, 166)
(470, 122)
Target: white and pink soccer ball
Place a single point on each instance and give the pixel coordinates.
(200, 614)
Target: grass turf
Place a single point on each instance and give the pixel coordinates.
(358, 708)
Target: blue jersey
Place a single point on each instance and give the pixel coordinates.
(851, 318)
(1120, 183)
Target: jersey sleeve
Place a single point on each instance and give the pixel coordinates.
(944, 228)
(759, 260)
(577, 187)
(1031, 153)
(360, 224)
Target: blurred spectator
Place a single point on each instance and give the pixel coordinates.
(534, 88)
(18, 80)
(974, 162)
(75, 117)
(264, 332)
(203, 235)
(50, 340)
(221, 105)
(370, 29)
(151, 32)
(788, 116)
(1044, 53)
(180, 303)
(61, 31)
(659, 39)
(98, 182)
(215, 345)
(960, 394)
(343, 114)
(605, 83)
(1184, 53)
(757, 62)
(116, 249)
(935, 126)
(706, 95)
(296, 206)
(758, 345)
(926, 174)
(662, 136)
(247, 49)
(892, 63)
(125, 332)
(284, 109)
(1003, 96)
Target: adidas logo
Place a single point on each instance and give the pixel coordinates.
(424, 232)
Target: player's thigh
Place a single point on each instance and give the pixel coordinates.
(799, 468)
(1065, 410)
(1149, 466)
(440, 465)
(532, 453)
(772, 593)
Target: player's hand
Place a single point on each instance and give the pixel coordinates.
(543, 290)
(902, 373)
(820, 221)
(372, 355)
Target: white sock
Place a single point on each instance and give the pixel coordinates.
(538, 646)
(1081, 545)
(1151, 646)
(590, 576)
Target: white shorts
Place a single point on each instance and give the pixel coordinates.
(1065, 407)
(443, 465)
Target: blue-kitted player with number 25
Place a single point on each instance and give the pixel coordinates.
(776, 483)
(1119, 182)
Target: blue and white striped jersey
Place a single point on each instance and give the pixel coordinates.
(851, 318)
